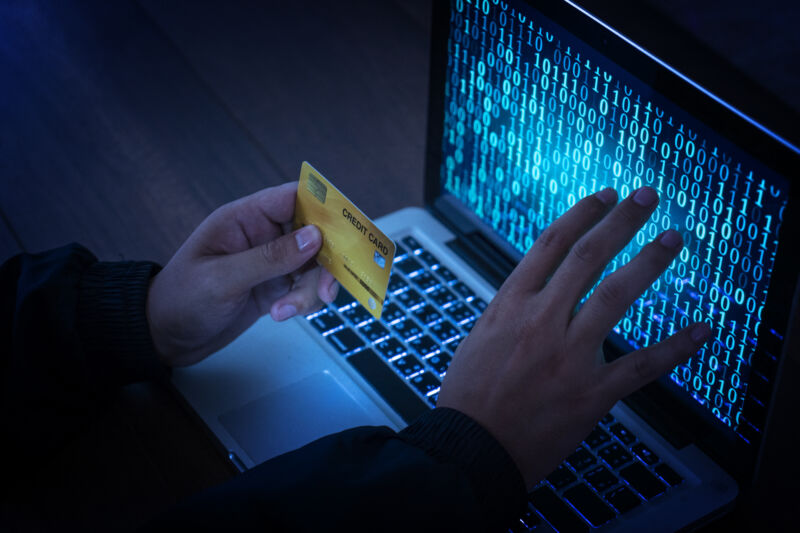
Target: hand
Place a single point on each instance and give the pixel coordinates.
(532, 370)
(239, 264)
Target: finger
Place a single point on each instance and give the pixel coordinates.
(589, 256)
(617, 292)
(302, 299)
(327, 287)
(246, 222)
(553, 244)
(275, 203)
(632, 371)
(275, 258)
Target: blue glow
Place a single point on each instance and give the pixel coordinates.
(535, 119)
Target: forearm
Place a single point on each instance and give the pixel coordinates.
(73, 330)
(444, 472)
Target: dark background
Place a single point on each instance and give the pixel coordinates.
(124, 123)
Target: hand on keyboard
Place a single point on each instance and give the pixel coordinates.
(532, 370)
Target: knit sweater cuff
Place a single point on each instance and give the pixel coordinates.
(450, 436)
(113, 324)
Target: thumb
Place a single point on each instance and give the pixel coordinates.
(275, 258)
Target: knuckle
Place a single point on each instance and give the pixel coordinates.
(586, 250)
(611, 291)
(643, 367)
(629, 214)
(553, 239)
(273, 251)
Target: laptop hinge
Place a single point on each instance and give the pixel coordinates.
(483, 256)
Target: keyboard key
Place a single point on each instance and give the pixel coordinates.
(427, 314)
(581, 459)
(391, 312)
(412, 243)
(390, 347)
(642, 480)
(396, 282)
(623, 499)
(345, 340)
(343, 299)
(608, 419)
(373, 331)
(561, 477)
(445, 274)
(407, 365)
(442, 296)
(589, 505)
(425, 280)
(622, 433)
(399, 250)
(389, 385)
(453, 344)
(326, 321)
(462, 289)
(669, 475)
(459, 312)
(597, 438)
(409, 265)
(479, 304)
(530, 519)
(423, 345)
(433, 398)
(439, 362)
(615, 455)
(555, 511)
(600, 478)
(425, 382)
(409, 298)
(645, 454)
(518, 527)
(444, 330)
(407, 328)
(357, 314)
(428, 258)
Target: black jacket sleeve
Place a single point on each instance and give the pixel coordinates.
(75, 328)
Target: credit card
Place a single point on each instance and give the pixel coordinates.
(354, 250)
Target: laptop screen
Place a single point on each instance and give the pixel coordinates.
(535, 119)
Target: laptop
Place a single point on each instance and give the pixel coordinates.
(532, 108)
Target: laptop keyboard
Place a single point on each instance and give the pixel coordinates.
(428, 311)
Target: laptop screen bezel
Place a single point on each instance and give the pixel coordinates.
(712, 436)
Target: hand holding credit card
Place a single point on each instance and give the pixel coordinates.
(354, 250)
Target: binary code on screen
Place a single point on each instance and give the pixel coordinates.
(535, 120)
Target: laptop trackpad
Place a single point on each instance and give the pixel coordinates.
(293, 416)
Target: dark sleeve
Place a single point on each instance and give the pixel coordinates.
(72, 329)
(442, 473)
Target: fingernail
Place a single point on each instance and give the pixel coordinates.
(700, 332)
(305, 237)
(285, 311)
(671, 239)
(645, 196)
(608, 196)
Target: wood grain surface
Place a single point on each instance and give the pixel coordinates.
(108, 136)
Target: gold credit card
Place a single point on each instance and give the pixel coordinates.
(354, 250)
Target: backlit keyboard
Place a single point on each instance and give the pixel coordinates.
(428, 311)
